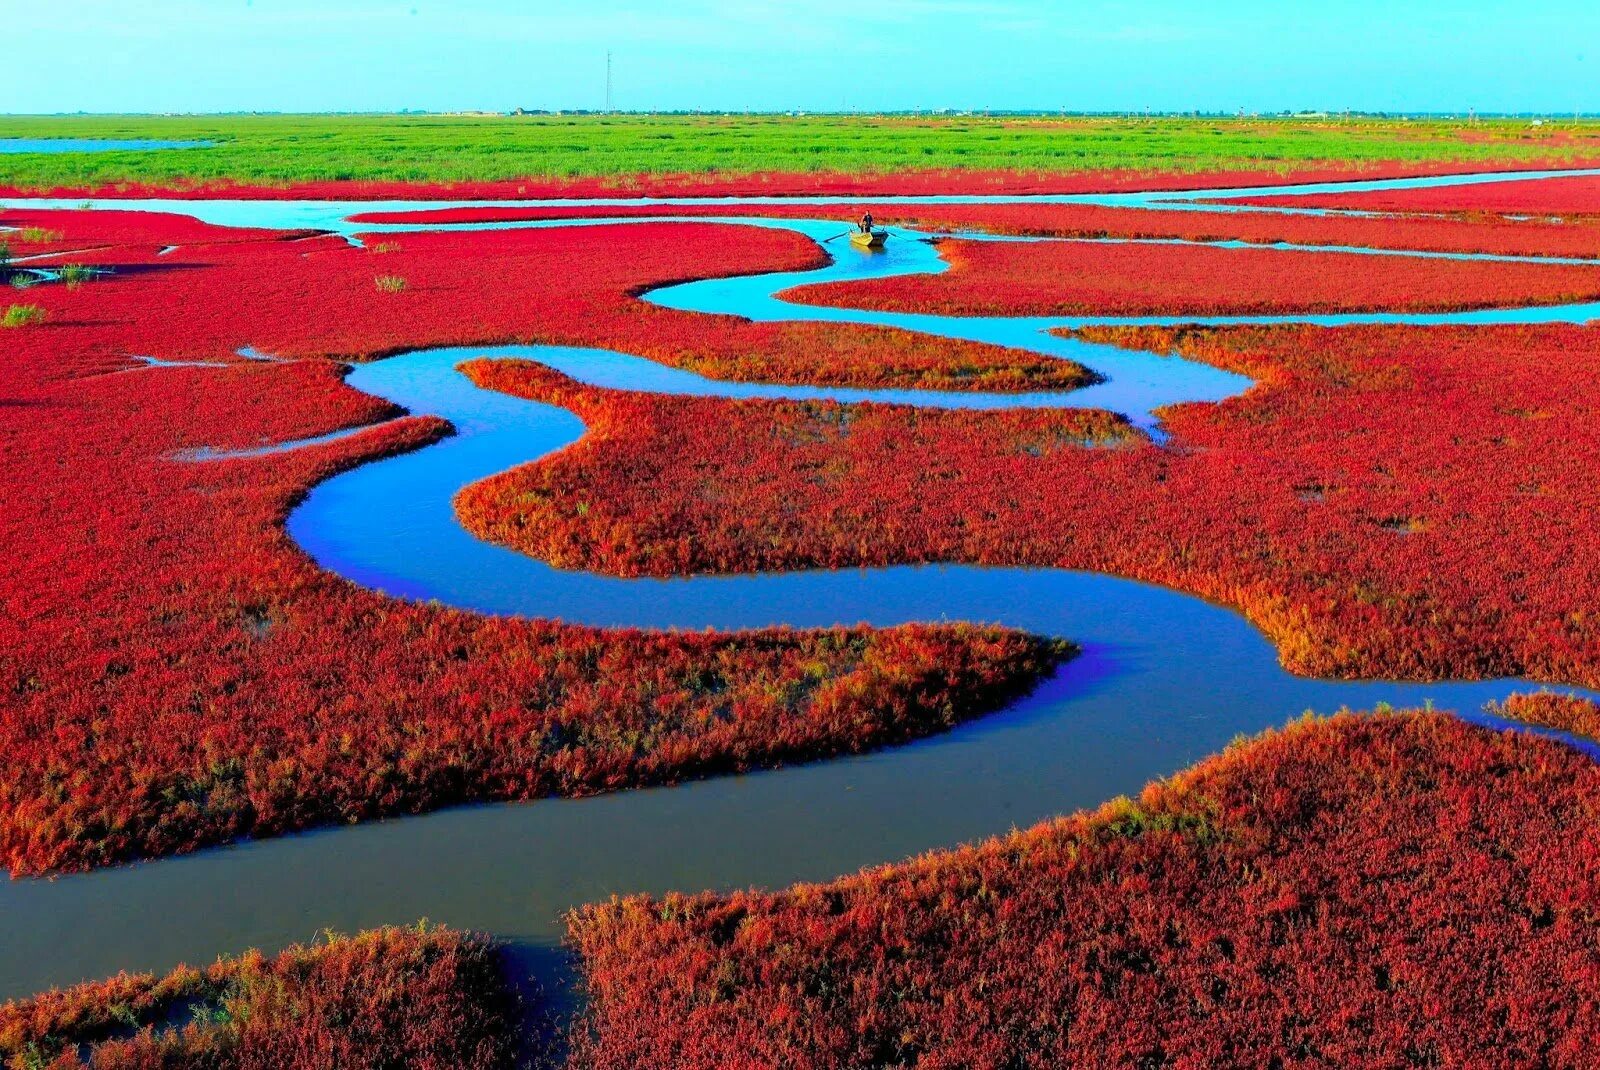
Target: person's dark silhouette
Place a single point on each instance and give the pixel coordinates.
(866, 223)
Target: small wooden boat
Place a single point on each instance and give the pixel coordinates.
(869, 239)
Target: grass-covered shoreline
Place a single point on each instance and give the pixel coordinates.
(281, 149)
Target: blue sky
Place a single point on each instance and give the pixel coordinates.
(312, 55)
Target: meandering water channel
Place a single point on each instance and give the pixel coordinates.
(1165, 678)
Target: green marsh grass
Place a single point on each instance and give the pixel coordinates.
(75, 275)
(280, 149)
(22, 316)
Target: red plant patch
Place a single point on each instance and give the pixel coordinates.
(1386, 502)
(313, 298)
(831, 354)
(175, 673)
(1565, 713)
(1497, 236)
(108, 226)
(766, 485)
(1085, 279)
(1576, 197)
(428, 999)
(1399, 890)
(802, 183)
(1475, 235)
(40, 233)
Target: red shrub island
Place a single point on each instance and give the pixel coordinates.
(174, 672)
(1386, 502)
(846, 355)
(772, 486)
(1084, 279)
(1565, 713)
(428, 999)
(1363, 891)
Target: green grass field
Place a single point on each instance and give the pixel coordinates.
(282, 149)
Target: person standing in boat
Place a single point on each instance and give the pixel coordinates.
(866, 222)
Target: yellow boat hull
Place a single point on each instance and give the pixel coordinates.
(869, 240)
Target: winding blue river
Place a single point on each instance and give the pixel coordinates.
(1165, 678)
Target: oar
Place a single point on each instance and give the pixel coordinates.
(841, 234)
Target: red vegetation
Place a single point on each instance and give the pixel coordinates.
(1408, 502)
(1565, 713)
(1577, 197)
(496, 288)
(774, 183)
(99, 229)
(175, 673)
(1399, 890)
(1386, 502)
(1497, 236)
(765, 485)
(417, 998)
(1528, 238)
(831, 354)
(1072, 278)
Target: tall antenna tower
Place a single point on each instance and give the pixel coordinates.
(608, 79)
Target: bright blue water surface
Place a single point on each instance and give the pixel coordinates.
(1165, 678)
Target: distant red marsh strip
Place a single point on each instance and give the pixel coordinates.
(1575, 197)
(815, 183)
(1494, 236)
(1097, 279)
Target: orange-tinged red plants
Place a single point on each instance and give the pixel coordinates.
(174, 672)
(1385, 502)
(428, 999)
(1566, 713)
(1400, 890)
(1399, 502)
(827, 354)
(766, 485)
(1076, 278)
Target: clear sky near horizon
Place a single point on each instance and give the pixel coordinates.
(319, 55)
